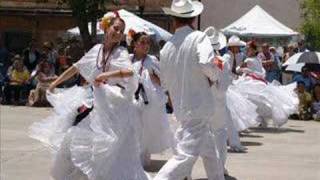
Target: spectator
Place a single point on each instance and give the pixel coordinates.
(276, 55)
(64, 62)
(305, 77)
(74, 50)
(51, 53)
(44, 77)
(278, 60)
(31, 57)
(287, 77)
(290, 52)
(269, 63)
(305, 100)
(316, 102)
(4, 59)
(18, 77)
(302, 46)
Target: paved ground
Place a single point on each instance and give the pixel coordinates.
(291, 153)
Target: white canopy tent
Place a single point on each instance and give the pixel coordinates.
(132, 22)
(258, 23)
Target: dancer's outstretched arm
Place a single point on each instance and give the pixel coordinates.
(70, 72)
(122, 73)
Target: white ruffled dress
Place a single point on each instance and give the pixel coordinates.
(105, 145)
(156, 133)
(231, 106)
(273, 100)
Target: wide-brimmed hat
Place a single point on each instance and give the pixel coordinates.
(184, 8)
(235, 41)
(218, 39)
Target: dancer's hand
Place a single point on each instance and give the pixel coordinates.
(51, 87)
(101, 78)
(97, 83)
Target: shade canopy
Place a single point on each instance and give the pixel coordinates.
(132, 22)
(258, 23)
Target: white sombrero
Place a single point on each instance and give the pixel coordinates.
(184, 8)
(235, 41)
(217, 39)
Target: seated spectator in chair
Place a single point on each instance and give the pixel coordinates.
(305, 101)
(306, 78)
(316, 103)
(2, 80)
(44, 77)
(18, 81)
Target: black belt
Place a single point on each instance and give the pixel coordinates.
(141, 91)
(81, 116)
(120, 86)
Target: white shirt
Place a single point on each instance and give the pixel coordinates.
(225, 76)
(89, 65)
(254, 65)
(186, 64)
(150, 63)
(229, 57)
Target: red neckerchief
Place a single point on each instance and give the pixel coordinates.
(255, 77)
(218, 62)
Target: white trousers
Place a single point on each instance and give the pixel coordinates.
(180, 166)
(233, 135)
(193, 142)
(221, 137)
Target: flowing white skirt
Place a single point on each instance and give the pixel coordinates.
(65, 102)
(242, 111)
(273, 100)
(232, 107)
(105, 144)
(156, 133)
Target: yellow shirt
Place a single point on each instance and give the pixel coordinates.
(19, 76)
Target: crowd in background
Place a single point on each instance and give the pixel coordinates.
(308, 87)
(25, 77)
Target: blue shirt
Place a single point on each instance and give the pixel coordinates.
(308, 81)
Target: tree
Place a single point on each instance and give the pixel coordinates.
(311, 25)
(85, 11)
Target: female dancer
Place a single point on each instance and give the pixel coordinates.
(156, 135)
(236, 112)
(104, 145)
(273, 101)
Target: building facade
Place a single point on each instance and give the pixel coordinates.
(21, 21)
(45, 20)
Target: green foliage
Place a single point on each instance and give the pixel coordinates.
(311, 25)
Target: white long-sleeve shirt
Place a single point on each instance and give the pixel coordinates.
(186, 65)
